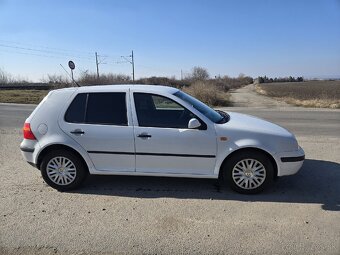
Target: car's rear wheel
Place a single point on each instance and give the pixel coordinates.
(63, 170)
(248, 172)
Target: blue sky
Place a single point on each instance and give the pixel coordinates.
(254, 37)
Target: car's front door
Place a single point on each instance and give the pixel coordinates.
(99, 123)
(164, 144)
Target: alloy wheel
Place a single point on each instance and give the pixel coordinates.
(249, 174)
(61, 170)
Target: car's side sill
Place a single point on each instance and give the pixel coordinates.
(204, 176)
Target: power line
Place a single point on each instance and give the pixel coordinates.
(43, 55)
(44, 47)
(55, 50)
(31, 54)
(43, 51)
(54, 53)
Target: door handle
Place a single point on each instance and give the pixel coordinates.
(77, 132)
(144, 135)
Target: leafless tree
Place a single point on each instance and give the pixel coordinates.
(199, 73)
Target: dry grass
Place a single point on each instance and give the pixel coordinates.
(205, 91)
(22, 96)
(208, 93)
(320, 94)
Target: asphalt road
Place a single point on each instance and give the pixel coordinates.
(301, 121)
(298, 215)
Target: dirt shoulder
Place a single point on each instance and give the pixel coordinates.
(247, 97)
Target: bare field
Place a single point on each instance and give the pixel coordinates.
(320, 94)
(22, 96)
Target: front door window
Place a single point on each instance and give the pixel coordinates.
(159, 111)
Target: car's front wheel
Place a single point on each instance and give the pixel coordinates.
(63, 170)
(248, 172)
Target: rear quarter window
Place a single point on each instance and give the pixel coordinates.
(76, 111)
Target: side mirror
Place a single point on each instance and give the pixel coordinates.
(194, 123)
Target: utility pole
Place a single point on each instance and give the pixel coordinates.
(131, 60)
(181, 74)
(97, 65)
(133, 67)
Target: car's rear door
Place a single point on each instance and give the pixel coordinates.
(164, 144)
(99, 122)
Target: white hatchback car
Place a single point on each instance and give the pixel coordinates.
(154, 131)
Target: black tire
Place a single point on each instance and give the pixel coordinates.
(254, 187)
(80, 170)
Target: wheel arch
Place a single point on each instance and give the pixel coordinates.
(53, 147)
(249, 149)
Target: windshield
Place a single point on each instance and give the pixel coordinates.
(201, 107)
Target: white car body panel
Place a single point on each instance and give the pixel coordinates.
(178, 142)
(174, 141)
(196, 153)
(105, 138)
(99, 140)
(46, 113)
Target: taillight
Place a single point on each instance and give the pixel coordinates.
(28, 134)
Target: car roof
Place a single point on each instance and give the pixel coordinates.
(125, 87)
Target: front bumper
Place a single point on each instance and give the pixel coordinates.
(289, 163)
(293, 159)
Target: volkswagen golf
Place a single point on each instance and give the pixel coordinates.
(150, 130)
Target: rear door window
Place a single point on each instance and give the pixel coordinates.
(106, 108)
(98, 108)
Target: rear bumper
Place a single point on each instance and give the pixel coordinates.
(32, 164)
(289, 163)
(26, 149)
(29, 151)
